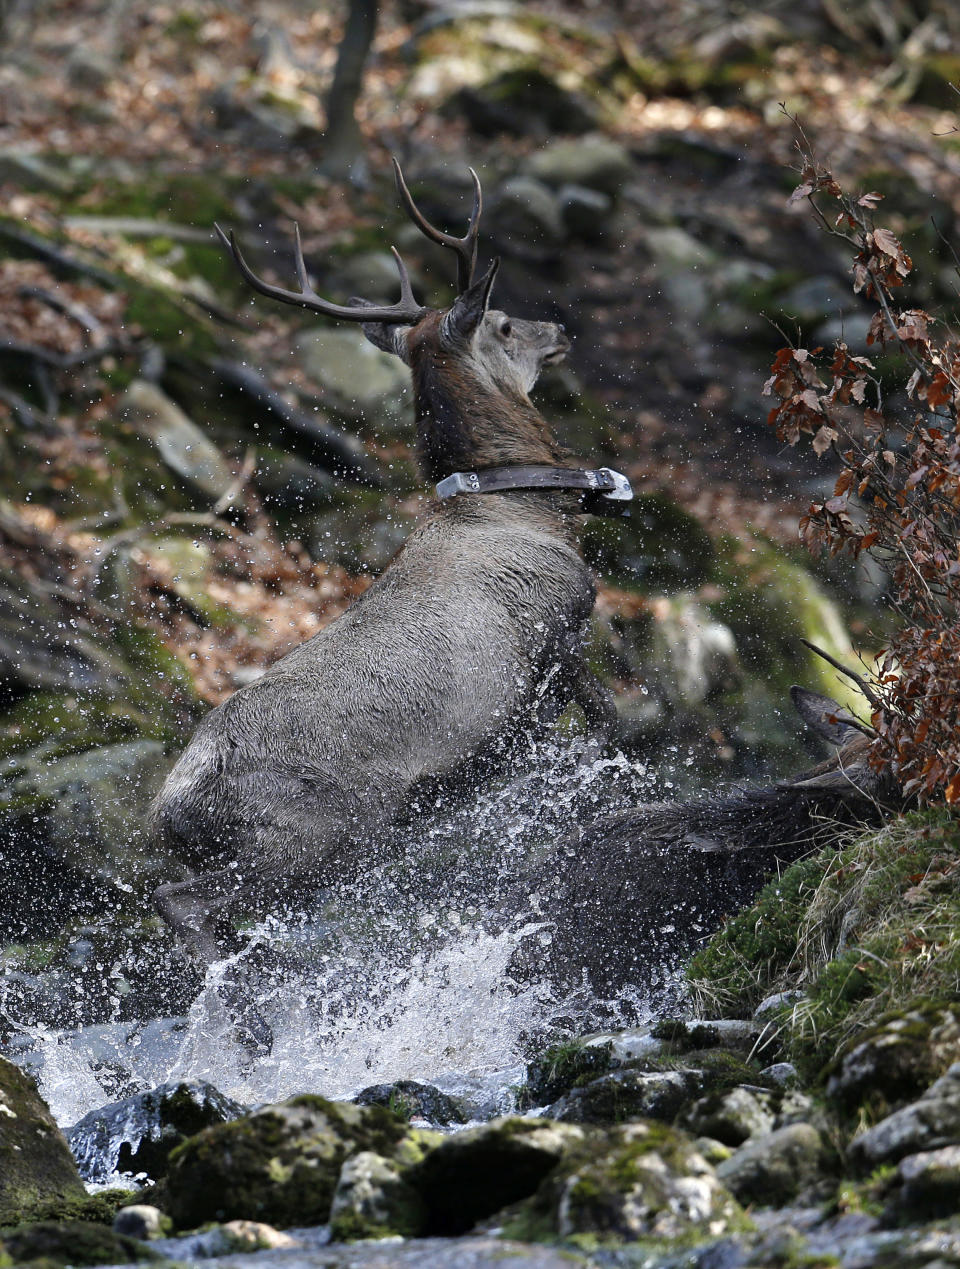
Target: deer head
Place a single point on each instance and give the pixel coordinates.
(473, 367)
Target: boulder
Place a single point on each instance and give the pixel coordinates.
(929, 1123)
(358, 381)
(593, 161)
(140, 1220)
(585, 212)
(139, 1133)
(623, 1095)
(182, 446)
(523, 101)
(929, 1183)
(774, 1168)
(528, 212)
(281, 1163)
(410, 1099)
(899, 1058)
(74, 1243)
(473, 1174)
(372, 1200)
(36, 1166)
(560, 1066)
(732, 1117)
(641, 1180)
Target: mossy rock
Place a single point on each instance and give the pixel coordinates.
(642, 1180)
(373, 1200)
(522, 101)
(658, 547)
(36, 1165)
(279, 1165)
(72, 1243)
(475, 1173)
(559, 1067)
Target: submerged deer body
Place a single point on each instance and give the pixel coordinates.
(470, 638)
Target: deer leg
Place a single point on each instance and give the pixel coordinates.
(198, 910)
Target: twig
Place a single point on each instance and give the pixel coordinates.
(863, 685)
(78, 313)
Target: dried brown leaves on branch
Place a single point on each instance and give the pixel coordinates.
(898, 492)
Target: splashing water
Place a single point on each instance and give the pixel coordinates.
(410, 973)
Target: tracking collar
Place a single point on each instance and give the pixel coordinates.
(607, 490)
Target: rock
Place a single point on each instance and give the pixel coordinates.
(624, 1046)
(372, 274)
(660, 548)
(88, 67)
(682, 264)
(733, 1117)
(525, 102)
(899, 1058)
(358, 381)
(35, 1162)
(816, 298)
(775, 1168)
(281, 1163)
(72, 1243)
(585, 212)
(138, 1134)
(560, 1066)
(772, 1004)
(246, 1236)
(782, 1073)
(641, 1180)
(408, 1098)
(594, 161)
(929, 1183)
(372, 1200)
(182, 446)
(475, 1173)
(627, 1095)
(927, 1124)
(528, 212)
(141, 1221)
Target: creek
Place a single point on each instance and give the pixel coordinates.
(418, 969)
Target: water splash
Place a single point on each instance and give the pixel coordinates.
(409, 972)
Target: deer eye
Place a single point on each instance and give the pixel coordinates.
(505, 328)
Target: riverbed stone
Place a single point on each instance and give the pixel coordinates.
(929, 1183)
(142, 1221)
(623, 1095)
(899, 1058)
(411, 1099)
(639, 1180)
(774, 1168)
(36, 1166)
(732, 1117)
(931, 1122)
(139, 1133)
(475, 1173)
(372, 1200)
(281, 1163)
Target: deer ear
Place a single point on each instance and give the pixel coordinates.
(468, 309)
(388, 337)
(823, 716)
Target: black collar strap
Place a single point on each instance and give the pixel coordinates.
(609, 485)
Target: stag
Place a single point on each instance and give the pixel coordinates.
(469, 640)
(634, 893)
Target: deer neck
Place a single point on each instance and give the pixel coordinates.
(465, 422)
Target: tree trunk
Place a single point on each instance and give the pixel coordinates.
(344, 150)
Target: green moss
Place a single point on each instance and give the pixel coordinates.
(98, 1209)
(73, 1243)
(868, 928)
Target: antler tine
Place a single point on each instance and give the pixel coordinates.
(465, 247)
(406, 312)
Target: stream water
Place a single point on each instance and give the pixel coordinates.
(408, 972)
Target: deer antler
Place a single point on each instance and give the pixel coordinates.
(406, 312)
(465, 247)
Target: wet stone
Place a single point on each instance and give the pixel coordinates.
(627, 1095)
(899, 1058)
(410, 1099)
(929, 1123)
(138, 1133)
(140, 1220)
(930, 1183)
(372, 1200)
(35, 1162)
